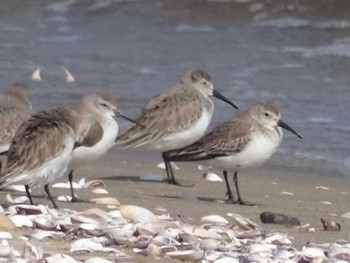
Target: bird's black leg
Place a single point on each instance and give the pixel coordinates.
(239, 200)
(70, 179)
(28, 194)
(169, 170)
(229, 192)
(47, 190)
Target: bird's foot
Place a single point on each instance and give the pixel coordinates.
(76, 199)
(241, 202)
(173, 181)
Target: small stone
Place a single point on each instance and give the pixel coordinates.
(277, 218)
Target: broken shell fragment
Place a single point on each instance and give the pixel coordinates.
(214, 219)
(187, 255)
(106, 201)
(45, 223)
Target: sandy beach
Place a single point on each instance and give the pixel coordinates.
(303, 196)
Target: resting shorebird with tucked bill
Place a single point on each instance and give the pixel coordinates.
(42, 147)
(15, 108)
(174, 118)
(98, 140)
(248, 139)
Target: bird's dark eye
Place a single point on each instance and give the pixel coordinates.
(267, 114)
(104, 105)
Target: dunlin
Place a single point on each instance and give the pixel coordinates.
(175, 118)
(42, 147)
(98, 140)
(248, 139)
(15, 108)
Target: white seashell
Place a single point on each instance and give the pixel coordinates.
(287, 193)
(36, 74)
(31, 251)
(226, 260)
(170, 232)
(41, 234)
(5, 235)
(94, 183)
(5, 250)
(66, 185)
(152, 228)
(214, 219)
(100, 191)
(283, 254)
(212, 177)
(69, 76)
(17, 200)
(136, 214)
(312, 254)
(153, 250)
(64, 198)
(164, 241)
(201, 232)
(322, 187)
(97, 259)
(242, 222)
(187, 255)
(21, 221)
(90, 244)
(210, 244)
(326, 202)
(61, 258)
(45, 223)
(106, 201)
(280, 239)
(79, 219)
(346, 215)
(259, 248)
(120, 234)
(27, 209)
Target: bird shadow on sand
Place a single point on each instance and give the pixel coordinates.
(132, 178)
(204, 199)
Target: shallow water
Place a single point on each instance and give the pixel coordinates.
(294, 53)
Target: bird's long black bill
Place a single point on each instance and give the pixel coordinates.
(288, 128)
(119, 114)
(223, 98)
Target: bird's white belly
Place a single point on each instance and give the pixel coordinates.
(255, 153)
(186, 137)
(48, 172)
(84, 154)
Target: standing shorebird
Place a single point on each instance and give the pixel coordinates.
(175, 118)
(42, 147)
(248, 139)
(15, 108)
(98, 140)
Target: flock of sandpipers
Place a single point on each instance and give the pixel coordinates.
(38, 148)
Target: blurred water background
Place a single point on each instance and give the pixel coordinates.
(296, 53)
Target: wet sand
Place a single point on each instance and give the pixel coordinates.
(261, 186)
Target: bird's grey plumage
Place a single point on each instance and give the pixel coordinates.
(15, 108)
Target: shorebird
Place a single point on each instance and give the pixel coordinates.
(175, 118)
(42, 147)
(248, 139)
(15, 108)
(98, 140)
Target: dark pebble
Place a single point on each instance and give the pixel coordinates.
(277, 218)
